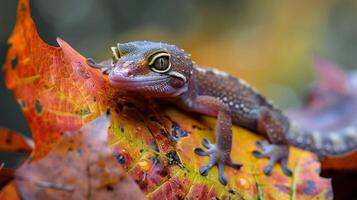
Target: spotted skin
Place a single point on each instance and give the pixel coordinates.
(174, 77)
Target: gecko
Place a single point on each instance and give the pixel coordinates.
(163, 71)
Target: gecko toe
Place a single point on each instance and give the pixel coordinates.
(204, 169)
(287, 171)
(206, 143)
(258, 144)
(261, 144)
(257, 154)
(201, 152)
(221, 176)
(268, 170)
(284, 168)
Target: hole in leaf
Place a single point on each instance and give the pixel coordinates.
(155, 160)
(232, 191)
(14, 62)
(310, 188)
(108, 112)
(173, 158)
(109, 188)
(79, 152)
(177, 132)
(38, 106)
(69, 151)
(120, 158)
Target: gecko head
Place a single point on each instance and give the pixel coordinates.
(151, 68)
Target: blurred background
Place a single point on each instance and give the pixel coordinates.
(270, 44)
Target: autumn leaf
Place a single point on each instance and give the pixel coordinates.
(153, 141)
(12, 143)
(330, 106)
(80, 166)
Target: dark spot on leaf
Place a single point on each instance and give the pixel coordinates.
(122, 129)
(14, 62)
(283, 188)
(142, 182)
(310, 188)
(154, 119)
(84, 111)
(82, 71)
(179, 197)
(23, 7)
(109, 188)
(163, 172)
(163, 132)
(173, 159)
(154, 145)
(194, 126)
(120, 158)
(119, 107)
(95, 99)
(69, 151)
(155, 160)
(38, 106)
(141, 150)
(232, 191)
(129, 105)
(108, 112)
(177, 132)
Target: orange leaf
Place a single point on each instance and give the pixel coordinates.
(56, 92)
(60, 92)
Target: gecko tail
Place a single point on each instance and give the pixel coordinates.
(325, 144)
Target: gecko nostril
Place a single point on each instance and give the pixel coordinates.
(130, 74)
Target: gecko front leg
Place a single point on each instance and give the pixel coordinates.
(219, 153)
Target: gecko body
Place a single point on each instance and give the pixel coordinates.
(167, 72)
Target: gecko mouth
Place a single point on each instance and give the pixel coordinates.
(136, 82)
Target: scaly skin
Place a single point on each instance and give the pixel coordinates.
(164, 71)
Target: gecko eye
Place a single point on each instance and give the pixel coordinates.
(160, 62)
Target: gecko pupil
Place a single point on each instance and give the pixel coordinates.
(161, 63)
